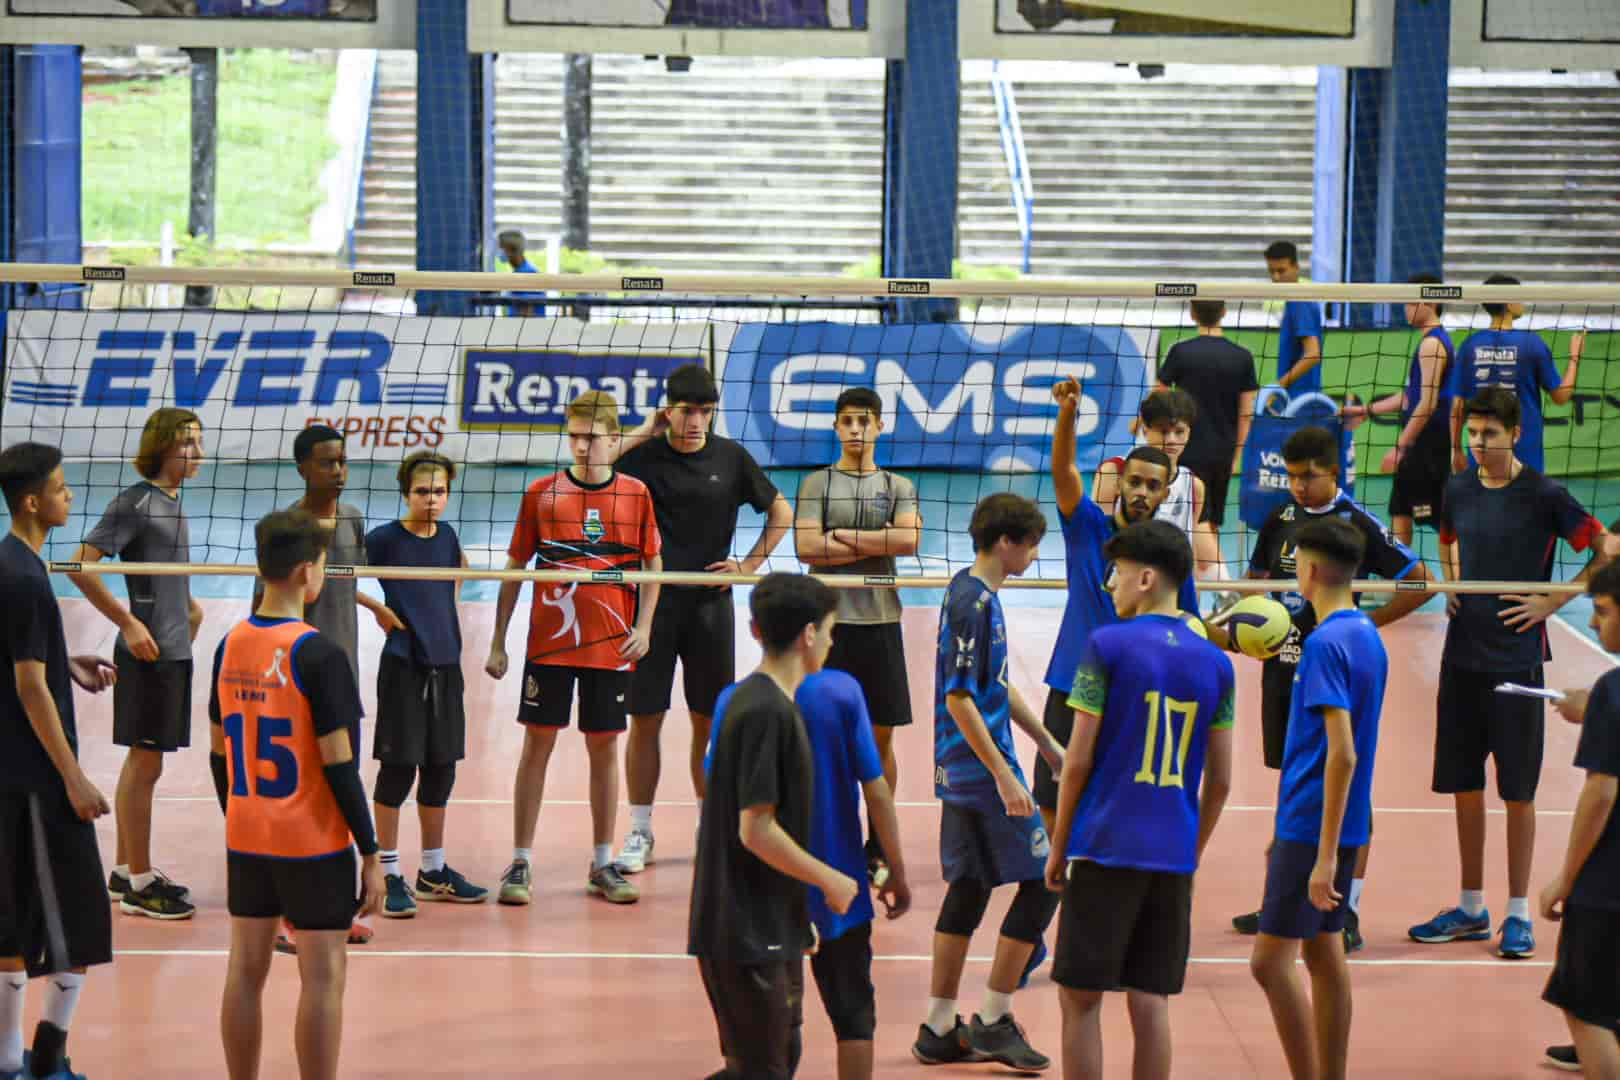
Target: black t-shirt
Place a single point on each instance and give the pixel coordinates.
(1505, 534)
(743, 912)
(696, 496)
(32, 631)
(1273, 557)
(1598, 884)
(1216, 372)
(321, 670)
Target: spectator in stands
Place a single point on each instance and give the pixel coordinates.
(1518, 360)
(1219, 374)
(1299, 338)
(512, 243)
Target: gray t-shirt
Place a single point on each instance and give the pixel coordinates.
(145, 524)
(333, 612)
(847, 500)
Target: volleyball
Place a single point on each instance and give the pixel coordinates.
(1259, 625)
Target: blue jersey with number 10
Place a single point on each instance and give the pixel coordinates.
(1160, 689)
(972, 658)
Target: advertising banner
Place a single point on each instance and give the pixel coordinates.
(286, 24)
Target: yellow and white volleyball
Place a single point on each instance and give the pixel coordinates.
(1259, 625)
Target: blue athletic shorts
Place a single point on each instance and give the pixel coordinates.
(990, 847)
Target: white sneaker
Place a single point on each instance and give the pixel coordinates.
(638, 852)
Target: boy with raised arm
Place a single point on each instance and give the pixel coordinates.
(48, 850)
(152, 698)
(282, 701)
(855, 518)
(990, 833)
(698, 481)
(1324, 807)
(586, 517)
(1153, 708)
(749, 924)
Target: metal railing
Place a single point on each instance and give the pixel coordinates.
(1012, 151)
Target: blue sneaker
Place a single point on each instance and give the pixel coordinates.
(399, 903)
(448, 885)
(1453, 925)
(1518, 942)
(1036, 959)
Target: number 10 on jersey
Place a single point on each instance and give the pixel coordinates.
(1164, 712)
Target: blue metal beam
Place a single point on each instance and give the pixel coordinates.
(45, 137)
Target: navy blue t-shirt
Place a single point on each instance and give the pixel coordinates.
(1508, 533)
(1520, 361)
(1441, 417)
(1160, 689)
(432, 634)
(1598, 883)
(1343, 665)
(1301, 319)
(846, 757)
(971, 657)
(1088, 605)
(32, 630)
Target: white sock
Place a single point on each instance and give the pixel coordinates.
(433, 859)
(389, 861)
(941, 1016)
(138, 882)
(1519, 908)
(13, 989)
(995, 1006)
(601, 855)
(122, 870)
(61, 999)
(1473, 901)
(522, 854)
(1355, 894)
(641, 819)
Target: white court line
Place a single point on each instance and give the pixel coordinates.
(1446, 810)
(519, 954)
(1583, 639)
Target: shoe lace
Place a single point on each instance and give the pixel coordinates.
(516, 873)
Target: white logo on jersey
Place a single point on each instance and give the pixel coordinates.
(562, 598)
(594, 529)
(274, 670)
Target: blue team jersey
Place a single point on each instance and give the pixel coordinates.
(846, 756)
(1342, 665)
(972, 657)
(1301, 319)
(1441, 417)
(1520, 361)
(1088, 605)
(1160, 689)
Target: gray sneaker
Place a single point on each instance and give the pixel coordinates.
(610, 884)
(1004, 1042)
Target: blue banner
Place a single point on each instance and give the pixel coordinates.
(531, 388)
(1264, 483)
(952, 397)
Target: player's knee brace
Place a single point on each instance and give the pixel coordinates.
(1030, 912)
(433, 790)
(963, 908)
(393, 784)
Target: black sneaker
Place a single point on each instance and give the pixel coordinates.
(1247, 924)
(1352, 933)
(156, 902)
(1004, 1043)
(946, 1049)
(1563, 1057)
(118, 885)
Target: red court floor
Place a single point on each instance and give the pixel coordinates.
(573, 986)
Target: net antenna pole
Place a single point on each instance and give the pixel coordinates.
(204, 157)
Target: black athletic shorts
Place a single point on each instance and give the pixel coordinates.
(1473, 722)
(53, 897)
(697, 626)
(874, 655)
(312, 894)
(1287, 911)
(1585, 980)
(1059, 720)
(843, 971)
(548, 697)
(759, 1012)
(151, 703)
(1123, 929)
(421, 717)
(1421, 477)
(1276, 699)
(1217, 479)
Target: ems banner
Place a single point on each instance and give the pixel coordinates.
(1265, 475)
